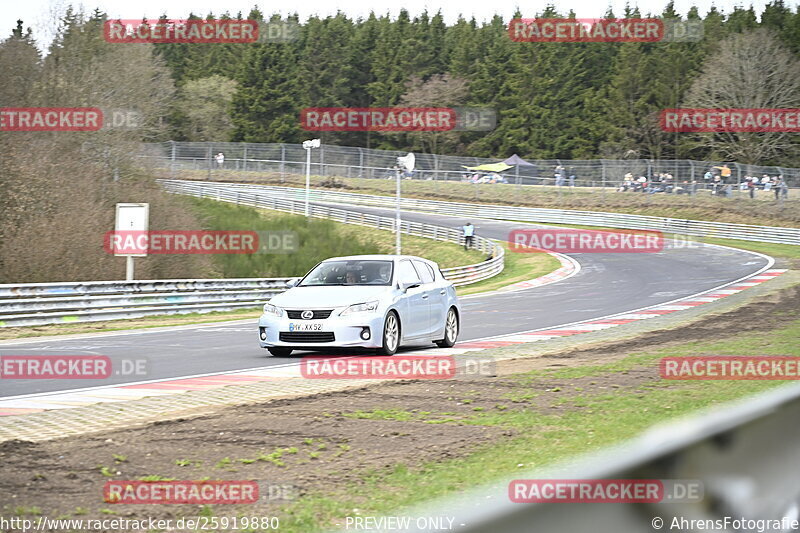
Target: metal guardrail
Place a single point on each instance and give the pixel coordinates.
(462, 275)
(745, 454)
(36, 304)
(698, 228)
(53, 303)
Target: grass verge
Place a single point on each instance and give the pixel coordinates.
(518, 267)
(554, 415)
(318, 239)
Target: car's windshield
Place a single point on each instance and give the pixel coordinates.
(349, 272)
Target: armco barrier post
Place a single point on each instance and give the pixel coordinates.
(208, 162)
(172, 160)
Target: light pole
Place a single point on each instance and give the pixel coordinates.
(397, 217)
(406, 162)
(308, 145)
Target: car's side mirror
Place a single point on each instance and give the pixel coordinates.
(292, 282)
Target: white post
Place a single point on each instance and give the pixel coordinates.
(308, 176)
(397, 217)
(129, 269)
(308, 145)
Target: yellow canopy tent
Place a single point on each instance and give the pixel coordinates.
(490, 167)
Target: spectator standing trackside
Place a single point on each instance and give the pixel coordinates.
(725, 172)
(469, 235)
(751, 186)
(745, 184)
(558, 174)
(707, 177)
(220, 158)
(627, 183)
(783, 187)
(716, 185)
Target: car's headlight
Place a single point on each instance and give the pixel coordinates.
(360, 308)
(273, 310)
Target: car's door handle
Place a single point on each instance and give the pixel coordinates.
(442, 291)
(425, 296)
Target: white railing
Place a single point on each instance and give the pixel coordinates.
(35, 304)
(54, 303)
(462, 275)
(699, 228)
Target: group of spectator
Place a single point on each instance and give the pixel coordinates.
(765, 183)
(716, 182)
(661, 182)
(494, 177)
(560, 176)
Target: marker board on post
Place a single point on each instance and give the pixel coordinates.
(131, 217)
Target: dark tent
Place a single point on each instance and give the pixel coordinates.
(515, 160)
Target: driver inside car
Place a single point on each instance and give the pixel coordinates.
(385, 274)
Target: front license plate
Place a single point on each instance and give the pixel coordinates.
(305, 326)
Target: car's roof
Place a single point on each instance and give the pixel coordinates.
(376, 257)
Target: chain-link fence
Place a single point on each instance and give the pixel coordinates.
(672, 176)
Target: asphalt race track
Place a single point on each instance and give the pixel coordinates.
(606, 284)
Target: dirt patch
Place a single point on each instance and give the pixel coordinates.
(323, 443)
(307, 444)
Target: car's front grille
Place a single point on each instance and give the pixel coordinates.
(306, 336)
(319, 314)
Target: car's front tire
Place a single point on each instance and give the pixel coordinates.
(280, 351)
(391, 334)
(450, 329)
